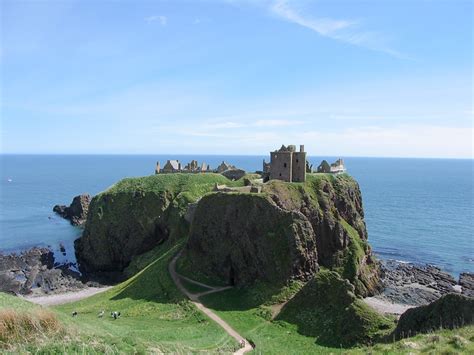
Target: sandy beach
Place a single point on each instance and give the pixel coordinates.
(52, 300)
(386, 307)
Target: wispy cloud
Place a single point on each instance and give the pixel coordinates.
(348, 31)
(162, 20)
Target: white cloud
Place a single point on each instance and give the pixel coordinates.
(276, 123)
(342, 30)
(162, 20)
(424, 141)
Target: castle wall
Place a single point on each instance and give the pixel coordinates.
(281, 166)
(299, 167)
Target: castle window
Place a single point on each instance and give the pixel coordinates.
(284, 165)
(296, 160)
(280, 174)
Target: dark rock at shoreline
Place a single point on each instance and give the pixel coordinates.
(34, 271)
(420, 284)
(448, 312)
(76, 213)
(466, 280)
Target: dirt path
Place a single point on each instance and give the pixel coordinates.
(194, 297)
(61, 298)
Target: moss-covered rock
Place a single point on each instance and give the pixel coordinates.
(135, 215)
(449, 312)
(333, 206)
(327, 308)
(240, 238)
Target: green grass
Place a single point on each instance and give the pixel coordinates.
(247, 311)
(155, 317)
(243, 310)
(457, 341)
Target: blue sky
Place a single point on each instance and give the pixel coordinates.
(349, 78)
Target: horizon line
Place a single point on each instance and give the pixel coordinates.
(236, 155)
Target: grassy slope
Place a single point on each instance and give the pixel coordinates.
(252, 320)
(155, 317)
(154, 313)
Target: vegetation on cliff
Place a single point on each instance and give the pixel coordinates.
(449, 312)
(327, 309)
(135, 215)
(283, 234)
(240, 238)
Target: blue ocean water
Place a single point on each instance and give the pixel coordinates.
(417, 210)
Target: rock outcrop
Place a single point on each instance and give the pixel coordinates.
(327, 309)
(134, 216)
(34, 271)
(284, 232)
(466, 280)
(416, 284)
(77, 211)
(448, 312)
(242, 237)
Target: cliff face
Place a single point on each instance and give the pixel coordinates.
(284, 233)
(243, 237)
(135, 215)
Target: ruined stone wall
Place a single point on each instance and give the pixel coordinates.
(299, 167)
(281, 166)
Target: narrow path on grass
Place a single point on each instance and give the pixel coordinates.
(194, 297)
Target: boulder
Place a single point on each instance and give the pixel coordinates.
(77, 211)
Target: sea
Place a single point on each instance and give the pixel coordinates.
(417, 210)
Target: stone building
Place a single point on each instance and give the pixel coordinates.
(175, 166)
(224, 167)
(287, 164)
(171, 166)
(338, 167)
(335, 168)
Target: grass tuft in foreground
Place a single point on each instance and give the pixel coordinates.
(22, 326)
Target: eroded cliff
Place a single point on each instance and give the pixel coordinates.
(134, 216)
(283, 233)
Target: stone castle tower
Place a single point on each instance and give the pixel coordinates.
(287, 164)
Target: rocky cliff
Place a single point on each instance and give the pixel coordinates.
(76, 213)
(287, 231)
(240, 238)
(283, 233)
(135, 215)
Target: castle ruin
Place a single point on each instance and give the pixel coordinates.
(287, 164)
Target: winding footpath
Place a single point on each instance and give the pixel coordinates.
(194, 297)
